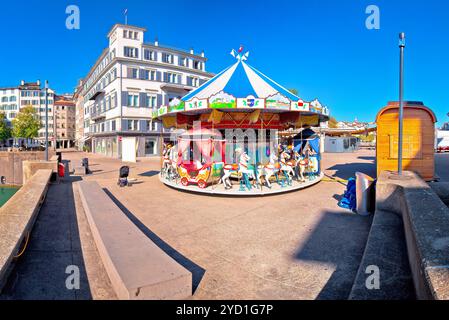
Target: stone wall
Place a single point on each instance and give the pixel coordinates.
(11, 164)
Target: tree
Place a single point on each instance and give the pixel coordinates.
(5, 130)
(294, 91)
(333, 122)
(26, 125)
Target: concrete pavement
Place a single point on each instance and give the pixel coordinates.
(299, 245)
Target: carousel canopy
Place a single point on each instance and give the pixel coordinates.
(241, 80)
(245, 89)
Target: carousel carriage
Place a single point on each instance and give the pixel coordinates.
(200, 160)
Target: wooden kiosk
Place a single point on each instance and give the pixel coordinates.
(418, 139)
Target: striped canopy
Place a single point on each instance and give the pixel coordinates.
(241, 80)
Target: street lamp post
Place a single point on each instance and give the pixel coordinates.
(46, 120)
(401, 97)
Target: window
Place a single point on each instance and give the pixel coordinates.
(151, 101)
(149, 55)
(131, 52)
(167, 58)
(197, 65)
(195, 81)
(133, 100)
(133, 125)
(153, 126)
(133, 73)
(171, 77)
(182, 61)
(145, 74)
(114, 100)
(113, 125)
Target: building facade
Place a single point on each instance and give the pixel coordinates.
(12, 99)
(64, 121)
(129, 80)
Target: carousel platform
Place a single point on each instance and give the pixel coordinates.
(219, 189)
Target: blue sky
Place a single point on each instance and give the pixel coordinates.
(322, 48)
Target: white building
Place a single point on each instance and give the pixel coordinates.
(128, 81)
(28, 94)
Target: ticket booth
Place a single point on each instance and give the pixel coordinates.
(418, 139)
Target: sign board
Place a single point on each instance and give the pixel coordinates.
(250, 102)
(222, 100)
(300, 106)
(129, 149)
(196, 104)
(278, 102)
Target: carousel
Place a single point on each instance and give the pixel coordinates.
(226, 136)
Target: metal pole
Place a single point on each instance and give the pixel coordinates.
(46, 120)
(401, 102)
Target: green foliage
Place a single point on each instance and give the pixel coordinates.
(294, 91)
(333, 122)
(26, 125)
(5, 131)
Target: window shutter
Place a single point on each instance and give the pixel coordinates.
(202, 81)
(165, 77)
(143, 100)
(142, 125)
(158, 76)
(166, 102)
(189, 81)
(159, 100)
(179, 79)
(141, 74)
(124, 98)
(129, 72)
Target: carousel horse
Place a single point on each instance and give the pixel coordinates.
(166, 160)
(302, 164)
(287, 166)
(269, 170)
(245, 171)
(170, 168)
(228, 169)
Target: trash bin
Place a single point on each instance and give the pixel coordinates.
(365, 194)
(61, 170)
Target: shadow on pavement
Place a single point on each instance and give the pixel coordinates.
(150, 174)
(346, 171)
(337, 242)
(197, 271)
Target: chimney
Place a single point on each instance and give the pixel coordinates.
(202, 53)
(156, 42)
(38, 82)
(191, 50)
(22, 82)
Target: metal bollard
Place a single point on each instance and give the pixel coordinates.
(365, 194)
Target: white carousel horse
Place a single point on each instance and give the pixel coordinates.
(268, 170)
(228, 169)
(244, 169)
(287, 165)
(170, 167)
(301, 164)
